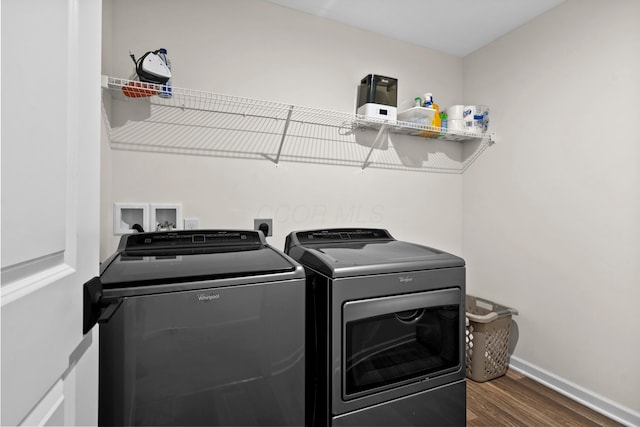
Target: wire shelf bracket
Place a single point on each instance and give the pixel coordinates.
(284, 134)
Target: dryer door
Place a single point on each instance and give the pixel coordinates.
(392, 341)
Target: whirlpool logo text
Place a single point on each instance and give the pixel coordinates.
(208, 297)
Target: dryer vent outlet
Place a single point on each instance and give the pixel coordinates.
(265, 225)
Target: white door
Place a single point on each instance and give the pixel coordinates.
(50, 209)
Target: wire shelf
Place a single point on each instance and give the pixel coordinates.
(203, 123)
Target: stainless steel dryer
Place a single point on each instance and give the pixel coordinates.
(201, 327)
(386, 330)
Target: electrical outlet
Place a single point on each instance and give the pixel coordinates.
(191, 223)
(260, 221)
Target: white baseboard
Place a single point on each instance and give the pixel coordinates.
(575, 392)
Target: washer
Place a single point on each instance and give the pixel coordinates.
(199, 327)
(386, 330)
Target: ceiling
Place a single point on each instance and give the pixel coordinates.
(456, 27)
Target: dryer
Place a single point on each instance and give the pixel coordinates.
(385, 330)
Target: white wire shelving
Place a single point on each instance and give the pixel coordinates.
(196, 122)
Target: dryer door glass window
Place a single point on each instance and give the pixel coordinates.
(401, 346)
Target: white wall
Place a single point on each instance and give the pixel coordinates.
(259, 50)
(551, 214)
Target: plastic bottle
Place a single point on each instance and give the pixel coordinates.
(428, 100)
(443, 120)
(165, 92)
(418, 101)
(436, 117)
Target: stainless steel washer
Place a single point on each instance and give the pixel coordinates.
(202, 327)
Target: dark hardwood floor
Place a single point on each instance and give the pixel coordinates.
(515, 400)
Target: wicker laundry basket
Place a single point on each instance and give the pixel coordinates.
(487, 341)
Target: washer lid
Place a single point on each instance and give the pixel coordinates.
(184, 256)
(356, 252)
